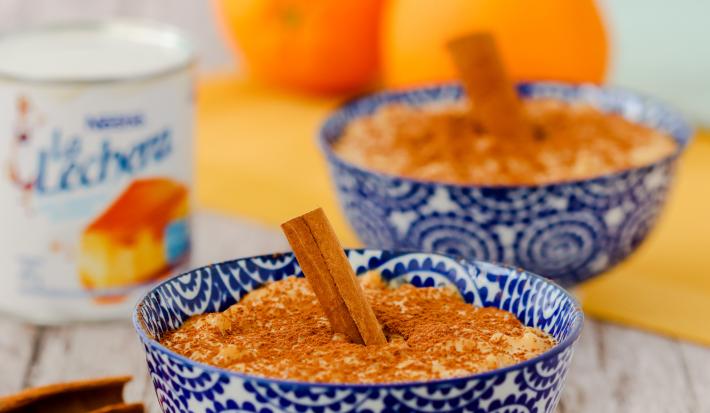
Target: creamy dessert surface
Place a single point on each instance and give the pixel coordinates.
(440, 142)
(279, 331)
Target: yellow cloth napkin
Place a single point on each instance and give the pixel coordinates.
(257, 154)
(257, 157)
(665, 285)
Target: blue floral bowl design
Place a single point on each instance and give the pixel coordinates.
(568, 231)
(534, 386)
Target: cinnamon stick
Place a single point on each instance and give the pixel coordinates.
(121, 408)
(73, 397)
(494, 100)
(332, 278)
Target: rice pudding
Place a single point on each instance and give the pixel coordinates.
(442, 142)
(280, 331)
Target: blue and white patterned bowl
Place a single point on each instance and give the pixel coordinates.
(567, 231)
(534, 386)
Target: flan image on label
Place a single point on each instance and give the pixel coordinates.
(138, 238)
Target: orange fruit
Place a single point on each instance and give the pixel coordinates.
(541, 39)
(320, 46)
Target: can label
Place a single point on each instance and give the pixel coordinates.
(96, 192)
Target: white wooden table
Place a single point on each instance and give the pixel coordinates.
(615, 369)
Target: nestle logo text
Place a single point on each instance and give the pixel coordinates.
(114, 122)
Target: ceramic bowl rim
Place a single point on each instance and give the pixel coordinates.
(326, 146)
(569, 341)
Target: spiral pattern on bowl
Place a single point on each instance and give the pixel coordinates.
(567, 231)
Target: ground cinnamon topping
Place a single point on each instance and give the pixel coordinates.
(280, 331)
(442, 142)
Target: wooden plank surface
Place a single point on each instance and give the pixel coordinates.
(88, 350)
(696, 360)
(17, 353)
(620, 370)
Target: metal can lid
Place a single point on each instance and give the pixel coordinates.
(94, 52)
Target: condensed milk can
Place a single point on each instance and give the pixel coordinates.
(96, 166)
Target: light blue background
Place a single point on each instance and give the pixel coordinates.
(662, 48)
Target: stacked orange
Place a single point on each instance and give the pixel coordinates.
(345, 46)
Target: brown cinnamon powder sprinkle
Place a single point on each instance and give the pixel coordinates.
(440, 142)
(280, 331)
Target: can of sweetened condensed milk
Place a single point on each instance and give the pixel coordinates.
(96, 157)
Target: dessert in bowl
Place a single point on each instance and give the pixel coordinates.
(566, 211)
(544, 310)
